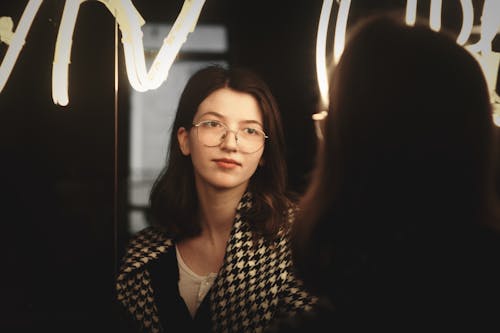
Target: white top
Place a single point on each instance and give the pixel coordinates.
(192, 286)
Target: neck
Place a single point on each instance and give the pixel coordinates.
(217, 211)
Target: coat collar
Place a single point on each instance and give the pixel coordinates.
(150, 243)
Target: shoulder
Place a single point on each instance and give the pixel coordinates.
(150, 236)
(145, 246)
(319, 319)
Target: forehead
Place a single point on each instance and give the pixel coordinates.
(231, 105)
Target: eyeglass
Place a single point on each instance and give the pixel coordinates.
(212, 133)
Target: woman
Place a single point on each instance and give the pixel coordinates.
(397, 229)
(217, 258)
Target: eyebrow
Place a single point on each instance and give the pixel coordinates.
(220, 116)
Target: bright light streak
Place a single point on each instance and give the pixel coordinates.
(318, 118)
(411, 12)
(435, 15)
(6, 25)
(340, 29)
(482, 50)
(184, 24)
(321, 67)
(17, 40)
(130, 23)
(63, 52)
(496, 113)
(467, 21)
(490, 26)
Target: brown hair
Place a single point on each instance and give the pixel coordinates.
(173, 199)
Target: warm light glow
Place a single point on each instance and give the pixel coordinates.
(489, 62)
(411, 12)
(320, 115)
(496, 113)
(16, 39)
(63, 51)
(340, 29)
(6, 26)
(490, 26)
(338, 45)
(435, 15)
(321, 66)
(318, 118)
(482, 50)
(467, 21)
(184, 24)
(130, 23)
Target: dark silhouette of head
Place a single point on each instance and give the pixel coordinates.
(403, 175)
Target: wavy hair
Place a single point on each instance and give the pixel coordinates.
(173, 198)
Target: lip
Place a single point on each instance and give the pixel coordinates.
(226, 163)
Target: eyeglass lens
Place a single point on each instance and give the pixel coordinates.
(213, 133)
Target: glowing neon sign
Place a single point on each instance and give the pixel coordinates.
(129, 21)
(482, 51)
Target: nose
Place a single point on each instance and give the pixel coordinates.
(230, 142)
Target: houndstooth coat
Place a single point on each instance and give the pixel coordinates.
(254, 286)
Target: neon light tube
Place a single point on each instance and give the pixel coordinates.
(411, 12)
(321, 67)
(435, 15)
(17, 41)
(62, 52)
(340, 29)
(467, 21)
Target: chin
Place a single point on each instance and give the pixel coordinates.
(227, 185)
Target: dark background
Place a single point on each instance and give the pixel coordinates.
(63, 193)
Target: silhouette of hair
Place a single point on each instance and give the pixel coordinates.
(405, 166)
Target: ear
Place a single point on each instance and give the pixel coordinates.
(262, 162)
(183, 138)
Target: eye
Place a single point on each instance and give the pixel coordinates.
(250, 131)
(211, 124)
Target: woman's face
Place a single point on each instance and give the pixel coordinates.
(224, 163)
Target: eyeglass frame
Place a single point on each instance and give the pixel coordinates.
(198, 124)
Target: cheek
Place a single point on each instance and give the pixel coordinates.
(196, 156)
(193, 145)
(255, 161)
